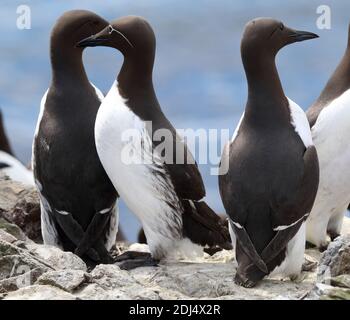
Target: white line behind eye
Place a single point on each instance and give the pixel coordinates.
(111, 29)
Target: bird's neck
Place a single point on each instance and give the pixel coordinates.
(67, 67)
(135, 79)
(339, 81)
(265, 93)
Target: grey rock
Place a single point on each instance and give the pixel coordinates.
(20, 281)
(94, 292)
(326, 292)
(18, 268)
(7, 248)
(40, 292)
(12, 229)
(335, 260)
(7, 237)
(60, 260)
(121, 284)
(67, 280)
(14, 265)
(341, 281)
(19, 204)
(111, 276)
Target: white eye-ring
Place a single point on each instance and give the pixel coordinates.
(111, 30)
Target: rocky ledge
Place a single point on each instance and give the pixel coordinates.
(30, 270)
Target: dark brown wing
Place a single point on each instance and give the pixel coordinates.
(298, 205)
(180, 164)
(296, 209)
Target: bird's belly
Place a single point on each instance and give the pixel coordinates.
(125, 150)
(331, 135)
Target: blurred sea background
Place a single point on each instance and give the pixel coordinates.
(198, 75)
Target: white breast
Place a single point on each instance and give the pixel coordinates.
(300, 123)
(146, 194)
(331, 136)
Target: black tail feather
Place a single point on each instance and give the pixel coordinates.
(204, 227)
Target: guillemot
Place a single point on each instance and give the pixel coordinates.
(272, 178)
(78, 201)
(166, 196)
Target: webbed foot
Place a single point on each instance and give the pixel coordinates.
(244, 282)
(134, 259)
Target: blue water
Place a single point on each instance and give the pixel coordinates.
(198, 74)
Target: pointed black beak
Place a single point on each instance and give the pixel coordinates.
(92, 41)
(302, 36)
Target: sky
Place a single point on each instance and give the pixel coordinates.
(198, 74)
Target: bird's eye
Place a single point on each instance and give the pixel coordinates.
(110, 29)
(281, 26)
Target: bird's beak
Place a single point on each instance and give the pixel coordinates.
(98, 39)
(297, 36)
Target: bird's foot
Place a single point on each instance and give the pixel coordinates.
(298, 278)
(309, 245)
(212, 250)
(333, 234)
(106, 258)
(134, 259)
(244, 282)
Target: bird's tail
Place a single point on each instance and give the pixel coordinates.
(204, 227)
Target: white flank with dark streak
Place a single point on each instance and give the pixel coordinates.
(146, 187)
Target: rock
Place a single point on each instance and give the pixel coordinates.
(40, 292)
(12, 229)
(210, 279)
(327, 292)
(95, 292)
(7, 249)
(121, 284)
(60, 260)
(67, 280)
(14, 259)
(6, 237)
(206, 278)
(19, 204)
(16, 282)
(111, 276)
(341, 281)
(18, 268)
(336, 259)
